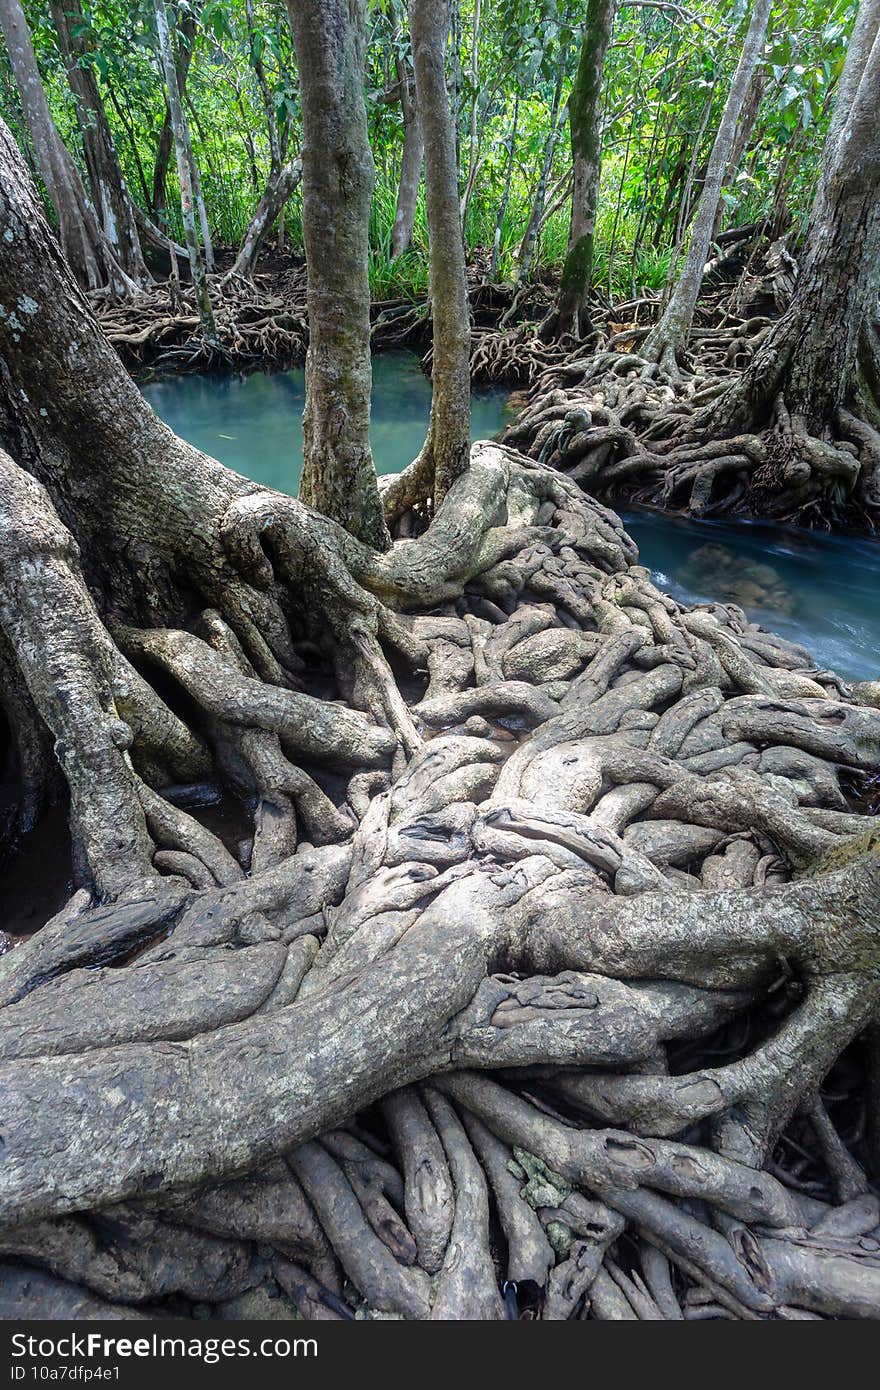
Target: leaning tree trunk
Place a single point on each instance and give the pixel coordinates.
(608, 833)
(745, 128)
(109, 191)
(444, 456)
(279, 186)
(183, 151)
(572, 314)
(84, 245)
(338, 477)
(283, 177)
(669, 338)
(410, 165)
(186, 30)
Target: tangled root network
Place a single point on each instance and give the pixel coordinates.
(557, 1003)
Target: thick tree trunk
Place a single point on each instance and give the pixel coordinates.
(669, 337)
(110, 194)
(185, 165)
(84, 245)
(410, 165)
(585, 126)
(338, 476)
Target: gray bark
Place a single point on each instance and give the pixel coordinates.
(410, 165)
(185, 164)
(165, 143)
(835, 297)
(338, 476)
(669, 336)
(269, 209)
(444, 456)
(87, 250)
(110, 194)
(186, 1044)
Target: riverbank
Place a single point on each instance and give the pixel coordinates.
(595, 409)
(262, 325)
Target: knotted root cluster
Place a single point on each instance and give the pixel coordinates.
(523, 995)
(259, 322)
(625, 426)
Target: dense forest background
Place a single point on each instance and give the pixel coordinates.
(666, 79)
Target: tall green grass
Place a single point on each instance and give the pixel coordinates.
(230, 199)
(396, 277)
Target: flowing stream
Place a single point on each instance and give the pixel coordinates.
(822, 591)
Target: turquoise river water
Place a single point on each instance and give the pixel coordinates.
(822, 591)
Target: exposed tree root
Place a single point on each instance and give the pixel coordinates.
(627, 426)
(260, 322)
(538, 821)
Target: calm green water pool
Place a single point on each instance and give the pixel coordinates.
(252, 423)
(822, 591)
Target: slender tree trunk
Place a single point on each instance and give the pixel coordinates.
(337, 168)
(186, 30)
(82, 240)
(669, 336)
(198, 198)
(271, 206)
(184, 175)
(505, 196)
(530, 239)
(475, 140)
(410, 164)
(585, 126)
(449, 429)
(747, 121)
(110, 194)
(125, 118)
(283, 178)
